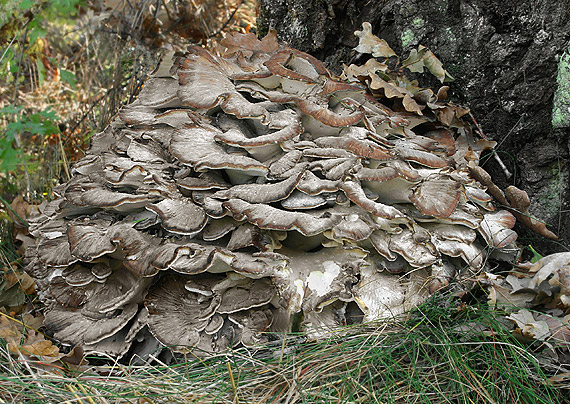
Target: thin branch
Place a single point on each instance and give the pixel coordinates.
(508, 174)
(227, 22)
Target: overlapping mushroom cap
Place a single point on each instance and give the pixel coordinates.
(239, 190)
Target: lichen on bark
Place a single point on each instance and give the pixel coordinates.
(561, 104)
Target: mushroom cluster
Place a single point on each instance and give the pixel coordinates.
(239, 191)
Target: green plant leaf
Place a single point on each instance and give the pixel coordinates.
(11, 109)
(41, 71)
(35, 33)
(68, 77)
(535, 255)
(9, 157)
(26, 4)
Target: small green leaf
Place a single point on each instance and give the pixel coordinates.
(26, 4)
(11, 109)
(35, 33)
(535, 255)
(9, 158)
(13, 66)
(68, 77)
(41, 71)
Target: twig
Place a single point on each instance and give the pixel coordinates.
(234, 387)
(64, 158)
(508, 174)
(8, 47)
(227, 22)
(94, 104)
(15, 98)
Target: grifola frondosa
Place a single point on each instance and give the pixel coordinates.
(239, 190)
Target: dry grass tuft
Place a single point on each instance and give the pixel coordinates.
(439, 353)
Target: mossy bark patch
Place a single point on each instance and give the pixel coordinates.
(561, 105)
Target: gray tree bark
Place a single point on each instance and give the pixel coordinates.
(511, 62)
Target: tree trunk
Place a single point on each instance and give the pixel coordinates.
(511, 62)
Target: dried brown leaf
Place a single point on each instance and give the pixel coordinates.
(370, 43)
(248, 43)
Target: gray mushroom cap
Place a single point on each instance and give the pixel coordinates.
(170, 304)
(180, 216)
(77, 329)
(243, 297)
(197, 147)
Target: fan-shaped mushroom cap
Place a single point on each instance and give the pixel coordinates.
(418, 254)
(287, 123)
(301, 200)
(267, 217)
(170, 303)
(262, 193)
(197, 147)
(204, 84)
(215, 324)
(251, 324)
(77, 329)
(88, 242)
(159, 92)
(199, 306)
(256, 293)
(314, 280)
(379, 295)
(180, 216)
(218, 228)
(355, 193)
(77, 276)
(496, 228)
(471, 254)
(437, 197)
(480, 197)
(55, 252)
(93, 297)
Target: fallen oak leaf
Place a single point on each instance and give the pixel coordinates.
(415, 61)
(528, 326)
(435, 66)
(514, 199)
(14, 329)
(370, 43)
(38, 347)
(354, 72)
(248, 44)
(520, 203)
(13, 277)
(8, 329)
(560, 378)
(425, 58)
(559, 329)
